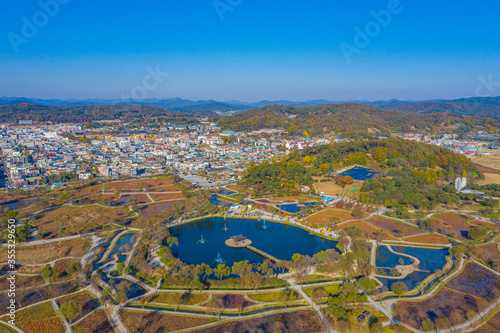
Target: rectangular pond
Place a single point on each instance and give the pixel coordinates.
(359, 173)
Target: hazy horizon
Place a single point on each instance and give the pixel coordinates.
(250, 50)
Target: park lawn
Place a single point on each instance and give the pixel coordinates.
(453, 225)
(96, 322)
(428, 238)
(329, 188)
(329, 216)
(329, 290)
(270, 296)
(43, 253)
(187, 298)
(151, 322)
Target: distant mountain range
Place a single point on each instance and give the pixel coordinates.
(476, 106)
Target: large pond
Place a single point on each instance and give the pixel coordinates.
(359, 173)
(279, 240)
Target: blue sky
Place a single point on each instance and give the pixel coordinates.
(258, 50)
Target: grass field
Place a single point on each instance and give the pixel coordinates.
(453, 225)
(329, 188)
(270, 297)
(490, 161)
(187, 298)
(166, 196)
(85, 299)
(39, 318)
(492, 325)
(489, 178)
(368, 229)
(46, 220)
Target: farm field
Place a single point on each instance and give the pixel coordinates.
(393, 227)
(445, 304)
(166, 196)
(294, 322)
(477, 281)
(329, 216)
(368, 229)
(87, 302)
(40, 318)
(428, 238)
(143, 322)
(138, 185)
(490, 161)
(96, 322)
(47, 252)
(187, 298)
(453, 225)
(490, 178)
(492, 325)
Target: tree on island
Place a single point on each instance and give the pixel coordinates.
(399, 288)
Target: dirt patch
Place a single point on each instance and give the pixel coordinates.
(97, 322)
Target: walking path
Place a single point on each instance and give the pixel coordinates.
(61, 316)
(316, 308)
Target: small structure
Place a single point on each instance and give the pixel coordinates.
(238, 241)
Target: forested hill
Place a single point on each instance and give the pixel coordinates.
(346, 118)
(28, 111)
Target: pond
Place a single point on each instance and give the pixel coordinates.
(226, 192)
(411, 280)
(430, 259)
(387, 259)
(294, 208)
(124, 244)
(359, 173)
(133, 289)
(279, 240)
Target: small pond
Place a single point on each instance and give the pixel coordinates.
(124, 244)
(294, 208)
